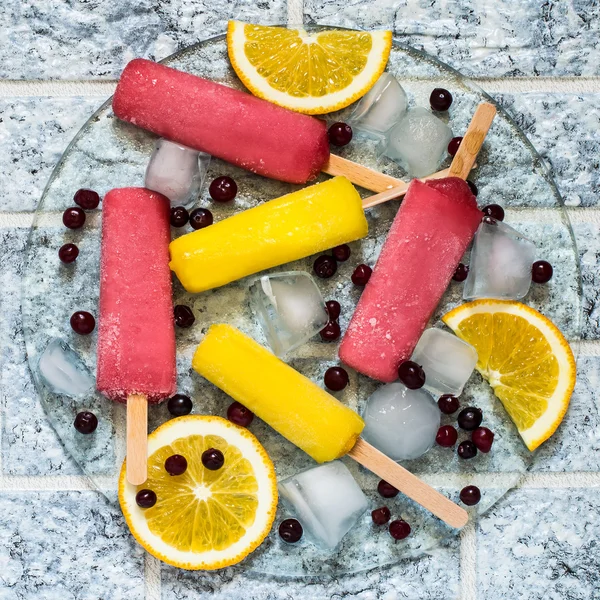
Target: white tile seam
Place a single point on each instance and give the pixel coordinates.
(468, 563)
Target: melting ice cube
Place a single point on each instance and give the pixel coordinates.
(62, 371)
(290, 308)
(327, 501)
(176, 171)
(501, 262)
(447, 361)
(418, 142)
(381, 108)
(402, 423)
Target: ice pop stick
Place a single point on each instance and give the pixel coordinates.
(137, 439)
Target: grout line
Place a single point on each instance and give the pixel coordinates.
(468, 563)
(64, 483)
(565, 85)
(295, 12)
(152, 579)
(56, 89)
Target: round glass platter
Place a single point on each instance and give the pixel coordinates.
(108, 153)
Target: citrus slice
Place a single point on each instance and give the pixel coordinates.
(524, 357)
(203, 519)
(313, 73)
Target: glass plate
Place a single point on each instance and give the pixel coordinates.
(107, 153)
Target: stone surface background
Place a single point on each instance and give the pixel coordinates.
(58, 63)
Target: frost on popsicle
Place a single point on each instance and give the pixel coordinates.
(63, 372)
(327, 501)
(177, 172)
(402, 423)
(447, 360)
(500, 265)
(290, 309)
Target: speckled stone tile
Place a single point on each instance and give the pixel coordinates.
(588, 244)
(565, 130)
(435, 577)
(34, 132)
(28, 443)
(491, 38)
(59, 39)
(540, 544)
(66, 546)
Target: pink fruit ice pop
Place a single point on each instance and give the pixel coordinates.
(136, 337)
(239, 128)
(428, 237)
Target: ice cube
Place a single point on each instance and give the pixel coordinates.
(62, 371)
(500, 265)
(418, 142)
(290, 308)
(381, 108)
(447, 361)
(327, 501)
(176, 171)
(402, 423)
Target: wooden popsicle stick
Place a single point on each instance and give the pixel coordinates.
(410, 485)
(137, 439)
(359, 175)
(472, 141)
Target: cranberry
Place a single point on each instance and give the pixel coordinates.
(454, 145)
(461, 272)
(470, 495)
(86, 422)
(179, 216)
(467, 449)
(145, 498)
(341, 253)
(200, 218)
(340, 134)
(399, 529)
(213, 459)
(176, 465)
(87, 199)
(333, 309)
(180, 405)
(336, 378)
(470, 418)
(381, 515)
(82, 322)
(68, 253)
(223, 189)
(541, 271)
(494, 210)
(440, 99)
(448, 404)
(240, 415)
(290, 531)
(74, 217)
(387, 490)
(361, 275)
(446, 436)
(472, 187)
(411, 375)
(483, 438)
(331, 332)
(184, 317)
(325, 266)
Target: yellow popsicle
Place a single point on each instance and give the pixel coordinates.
(292, 404)
(291, 227)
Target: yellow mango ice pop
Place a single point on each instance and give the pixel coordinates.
(292, 404)
(279, 231)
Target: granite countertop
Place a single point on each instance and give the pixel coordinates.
(59, 60)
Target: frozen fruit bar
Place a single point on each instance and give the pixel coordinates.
(136, 337)
(316, 218)
(292, 404)
(235, 126)
(428, 237)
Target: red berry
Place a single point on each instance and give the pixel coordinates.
(336, 378)
(213, 459)
(493, 210)
(179, 216)
(223, 189)
(470, 418)
(82, 322)
(399, 529)
(201, 218)
(325, 266)
(333, 309)
(87, 199)
(184, 317)
(411, 375)
(180, 405)
(387, 490)
(340, 134)
(240, 415)
(470, 495)
(290, 531)
(467, 449)
(448, 404)
(145, 498)
(446, 436)
(483, 438)
(381, 515)
(341, 253)
(440, 99)
(454, 145)
(68, 253)
(73, 217)
(361, 275)
(176, 465)
(541, 271)
(331, 332)
(461, 272)
(86, 422)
